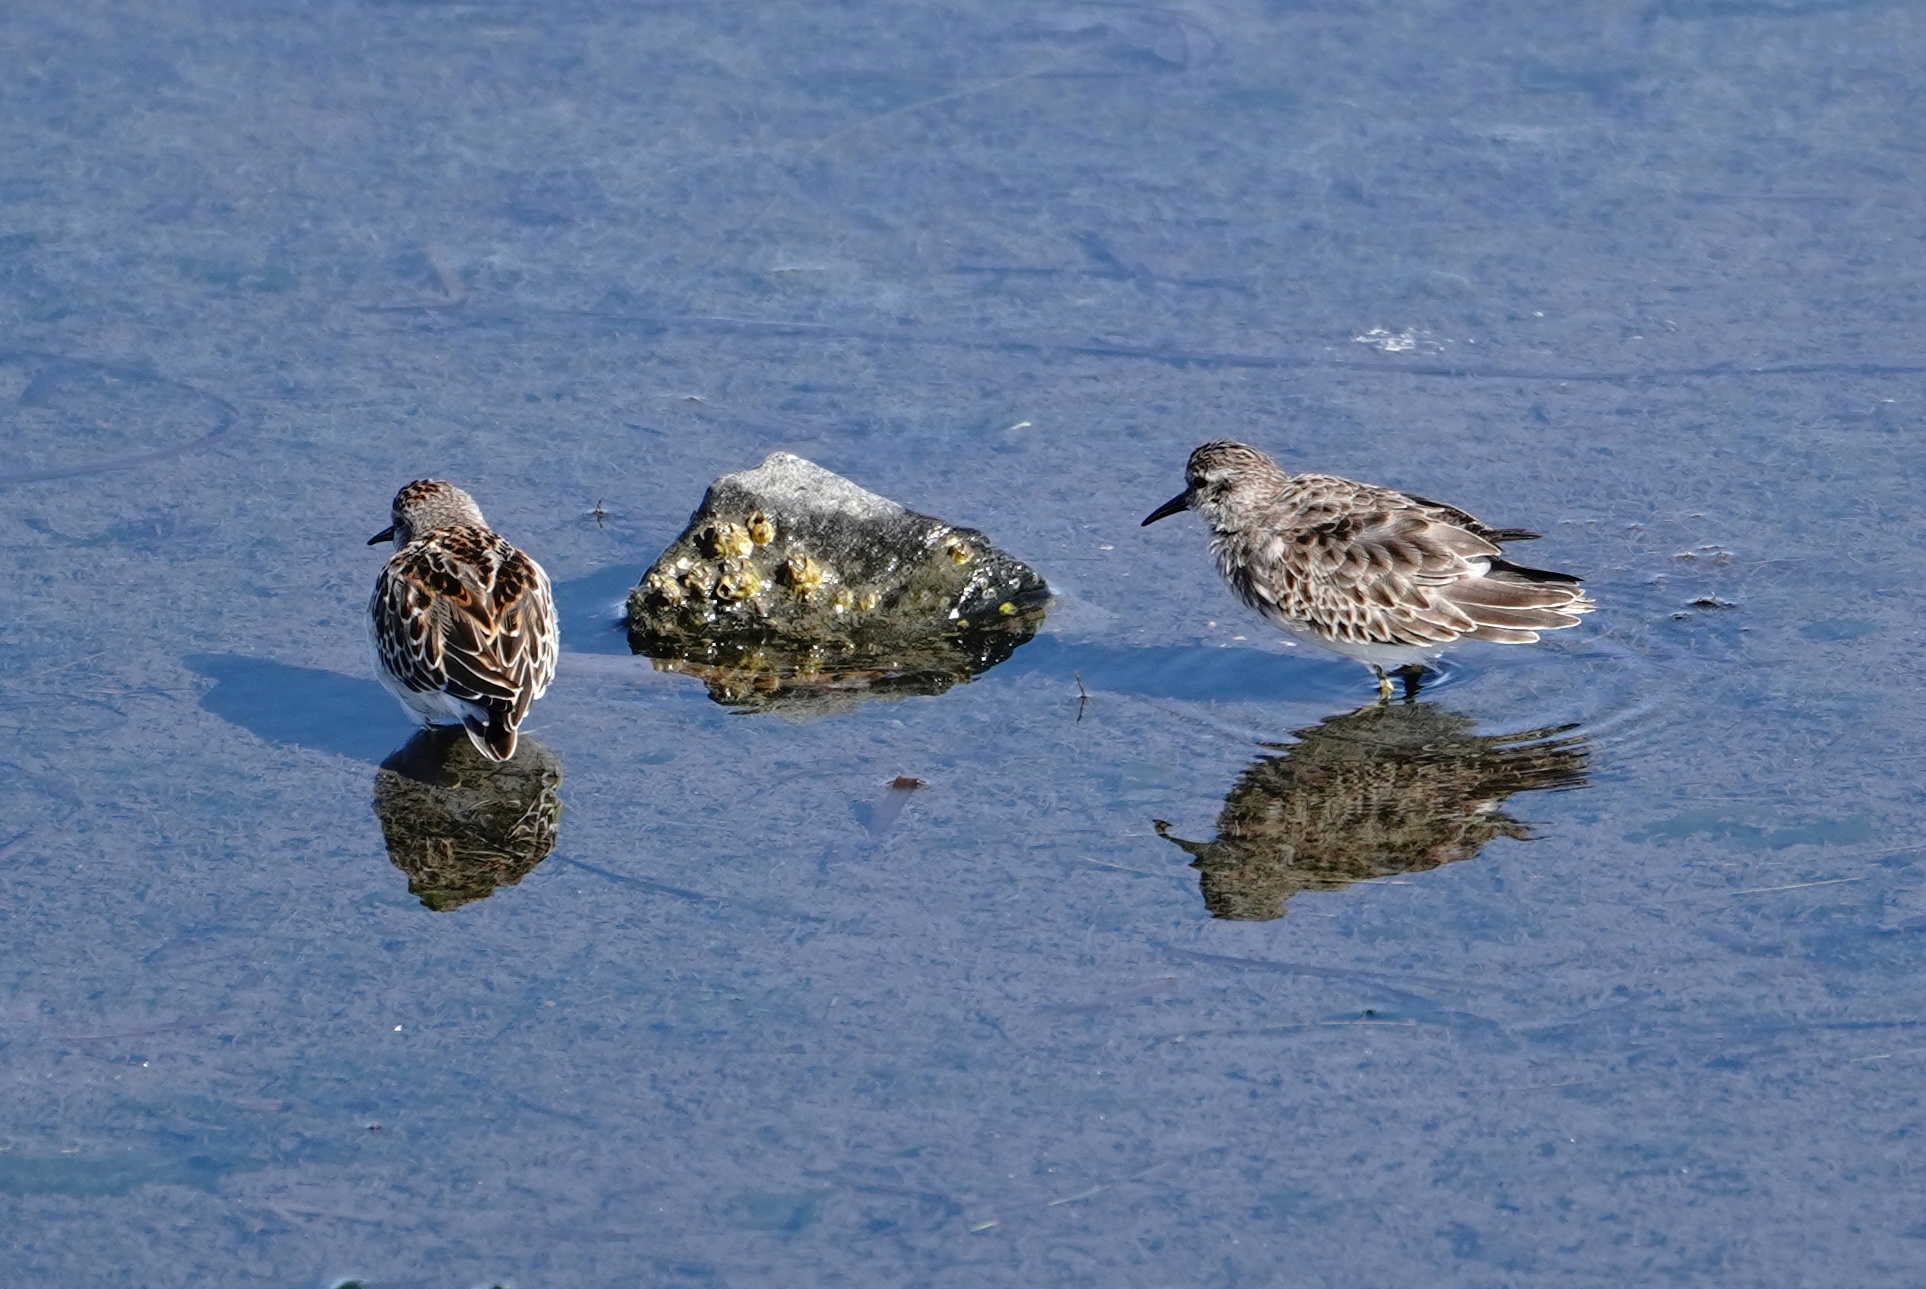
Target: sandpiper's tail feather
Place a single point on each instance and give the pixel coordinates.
(1439, 512)
(495, 738)
(1538, 619)
(1504, 568)
(1511, 604)
(1501, 635)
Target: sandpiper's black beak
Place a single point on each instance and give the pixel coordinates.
(1176, 504)
(385, 535)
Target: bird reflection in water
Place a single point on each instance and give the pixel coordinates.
(459, 825)
(1390, 788)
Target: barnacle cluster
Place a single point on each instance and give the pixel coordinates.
(720, 541)
(736, 579)
(801, 574)
(733, 573)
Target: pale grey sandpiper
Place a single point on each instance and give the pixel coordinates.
(463, 623)
(1384, 577)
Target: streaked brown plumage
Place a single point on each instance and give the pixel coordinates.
(1378, 575)
(463, 623)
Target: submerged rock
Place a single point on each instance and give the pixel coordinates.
(1390, 788)
(460, 825)
(793, 588)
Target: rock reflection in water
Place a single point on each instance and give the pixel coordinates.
(839, 675)
(1391, 788)
(458, 825)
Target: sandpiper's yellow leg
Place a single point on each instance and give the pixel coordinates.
(1384, 687)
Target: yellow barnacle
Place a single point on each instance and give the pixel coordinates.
(664, 588)
(700, 579)
(1006, 608)
(739, 581)
(961, 552)
(801, 573)
(725, 541)
(761, 529)
(844, 601)
(866, 601)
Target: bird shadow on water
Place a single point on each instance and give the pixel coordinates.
(1390, 788)
(457, 825)
(324, 711)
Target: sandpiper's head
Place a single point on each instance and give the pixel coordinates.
(1217, 476)
(425, 505)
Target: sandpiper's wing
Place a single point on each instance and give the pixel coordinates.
(462, 611)
(1452, 515)
(1375, 566)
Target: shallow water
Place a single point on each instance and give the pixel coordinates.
(1644, 277)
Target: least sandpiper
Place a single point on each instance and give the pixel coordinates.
(1384, 577)
(463, 623)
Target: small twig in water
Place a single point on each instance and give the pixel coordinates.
(450, 281)
(1071, 1199)
(1797, 886)
(72, 662)
(1083, 696)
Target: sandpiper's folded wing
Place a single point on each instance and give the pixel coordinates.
(462, 611)
(1477, 527)
(1386, 571)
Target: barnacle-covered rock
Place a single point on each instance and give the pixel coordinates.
(459, 825)
(792, 587)
(1390, 788)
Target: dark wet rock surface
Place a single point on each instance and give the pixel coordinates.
(1396, 787)
(792, 588)
(460, 825)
